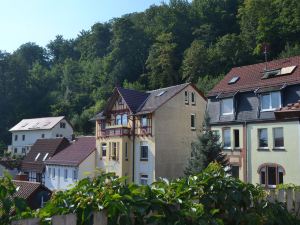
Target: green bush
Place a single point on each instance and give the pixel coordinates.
(211, 197)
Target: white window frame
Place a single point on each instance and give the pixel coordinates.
(258, 138)
(144, 144)
(75, 174)
(144, 179)
(223, 138)
(103, 146)
(66, 174)
(222, 106)
(270, 101)
(193, 115)
(273, 130)
(53, 173)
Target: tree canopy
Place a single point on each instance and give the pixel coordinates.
(181, 41)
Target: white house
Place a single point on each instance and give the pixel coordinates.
(71, 164)
(26, 132)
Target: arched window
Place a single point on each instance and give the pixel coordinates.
(271, 174)
(124, 119)
(118, 120)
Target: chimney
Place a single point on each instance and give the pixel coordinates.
(21, 176)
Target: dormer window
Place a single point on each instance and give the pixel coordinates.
(270, 101)
(227, 106)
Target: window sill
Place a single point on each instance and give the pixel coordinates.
(227, 149)
(126, 159)
(263, 149)
(227, 114)
(186, 103)
(267, 110)
(193, 103)
(144, 160)
(279, 149)
(193, 128)
(237, 149)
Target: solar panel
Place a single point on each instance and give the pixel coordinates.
(233, 80)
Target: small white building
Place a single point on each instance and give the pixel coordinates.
(26, 132)
(71, 164)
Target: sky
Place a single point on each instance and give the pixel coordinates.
(40, 21)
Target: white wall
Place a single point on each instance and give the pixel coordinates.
(62, 132)
(59, 182)
(13, 172)
(87, 167)
(144, 167)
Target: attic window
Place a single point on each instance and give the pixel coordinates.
(233, 80)
(37, 156)
(271, 73)
(45, 156)
(160, 93)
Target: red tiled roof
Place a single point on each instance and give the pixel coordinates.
(251, 76)
(46, 148)
(26, 188)
(73, 155)
(289, 111)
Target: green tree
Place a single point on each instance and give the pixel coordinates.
(205, 150)
(162, 62)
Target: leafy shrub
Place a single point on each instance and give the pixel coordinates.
(211, 197)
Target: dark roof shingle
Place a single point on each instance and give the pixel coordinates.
(47, 148)
(251, 76)
(73, 155)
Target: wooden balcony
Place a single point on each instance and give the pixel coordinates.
(113, 131)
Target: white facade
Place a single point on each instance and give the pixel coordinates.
(22, 140)
(62, 177)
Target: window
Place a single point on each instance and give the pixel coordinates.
(75, 175)
(226, 138)
(271, 175)
(53, 173)
(235, 171)
(233, 80)
(124, 119)
(104, 147)
(120, 101)
(15, 150)
(66, 174)
(62, 125)
(144, 179)
(118, 120)
(278, 137)
(263, 138)
(23, 137)
(37, 156)
(16, 137)
(193, 100)
(126, 151)
(186, 97)
(45, 157)
(114, 151)
(236, 134)
(43, 135)
(144, 151)
(270, 101)
(57, 135)
(23, 150)
(144, 122)
(49, 172)
(193, 121)
(227, 106)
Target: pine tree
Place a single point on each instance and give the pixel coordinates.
(205, 150)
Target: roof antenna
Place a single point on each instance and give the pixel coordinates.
(265, 46)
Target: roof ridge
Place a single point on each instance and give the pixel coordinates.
(272, 61)
(168, 87)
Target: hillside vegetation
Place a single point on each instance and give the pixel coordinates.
(164, 45)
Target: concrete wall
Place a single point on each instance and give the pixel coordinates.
(289, 158)
(173, 133)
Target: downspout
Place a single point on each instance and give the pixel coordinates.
(246, 151)
(133, 147)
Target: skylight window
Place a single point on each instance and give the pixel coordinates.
(233, 80)
(37, 156)
(45, 157)
(160, 93)
(271, 73)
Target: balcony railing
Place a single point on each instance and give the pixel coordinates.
(115, 131)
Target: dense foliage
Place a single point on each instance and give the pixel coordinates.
(205, 150)
(210, 197)
(10, 205)
(196, 41)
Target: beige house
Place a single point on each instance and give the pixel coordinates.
(146, 135)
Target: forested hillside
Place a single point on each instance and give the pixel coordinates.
(164, 45)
